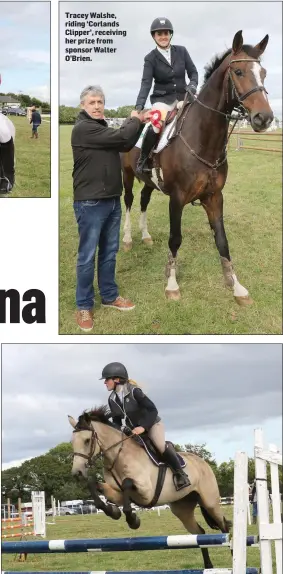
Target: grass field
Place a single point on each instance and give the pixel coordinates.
(252, 215)
(99, 526)
(32, 160)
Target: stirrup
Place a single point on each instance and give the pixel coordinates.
(181, 480)
(142, 167)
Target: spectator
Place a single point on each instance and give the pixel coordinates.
(35, 121)
(97, 184)
(254, 502)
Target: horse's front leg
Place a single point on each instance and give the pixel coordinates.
(175, 212)
(128, 182)
(132, 519)
(213, 206)
(145, 199)
(109, 509)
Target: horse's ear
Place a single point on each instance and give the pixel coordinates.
(237, 42)
(262, 45)
(87, 417)
(72, 421)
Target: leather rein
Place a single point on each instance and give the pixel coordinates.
(241, 115)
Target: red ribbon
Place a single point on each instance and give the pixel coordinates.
(155, 118)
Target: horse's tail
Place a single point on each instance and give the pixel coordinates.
(212, 523)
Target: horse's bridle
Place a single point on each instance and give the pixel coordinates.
(91, 458)
(228, 117)
(234, 90)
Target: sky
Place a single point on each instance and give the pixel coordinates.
(204, 28)
(25, 48)
(205, 393)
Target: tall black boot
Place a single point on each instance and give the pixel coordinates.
(181, 479)
(148, 144)
(7, 166)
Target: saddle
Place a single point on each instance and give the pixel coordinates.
(150, 449)
(167, 135)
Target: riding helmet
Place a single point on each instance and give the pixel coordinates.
(113, 370)
(161, 24)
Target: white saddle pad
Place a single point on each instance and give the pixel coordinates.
(7, 129)
(163, 140)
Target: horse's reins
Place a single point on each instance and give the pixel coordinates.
(228, 117)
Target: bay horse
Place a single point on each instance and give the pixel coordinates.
(131, 476)
(194, 164)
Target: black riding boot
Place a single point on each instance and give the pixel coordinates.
(7, 170)
(180, 478)
(148, 144)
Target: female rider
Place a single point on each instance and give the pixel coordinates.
(166, 65)
(128, 401)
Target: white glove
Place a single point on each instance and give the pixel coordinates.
(179, 105)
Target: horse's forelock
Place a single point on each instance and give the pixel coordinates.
(218, 59)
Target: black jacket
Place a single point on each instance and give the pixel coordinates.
(35, 118)
(170, 80)
(138, 408)
(96, 147)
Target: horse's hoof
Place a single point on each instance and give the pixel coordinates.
(243, 301)
(173, 295)
(133, 522)
(113, 512)
(127, 246)
(116, 514)
(147, 241)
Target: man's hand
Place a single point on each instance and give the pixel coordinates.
(138, 430)
(136, 114)
(147, 116)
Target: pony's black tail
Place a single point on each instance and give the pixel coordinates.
(212, 523)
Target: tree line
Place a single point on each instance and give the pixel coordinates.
(68, 114)
(26, 101)
(51, 472)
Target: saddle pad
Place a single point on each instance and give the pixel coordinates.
(163, 140)
(7, 129)
(152, 453)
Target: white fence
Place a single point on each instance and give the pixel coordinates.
(268, 531)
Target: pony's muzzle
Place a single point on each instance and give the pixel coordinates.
(79, 471)
(261, 120)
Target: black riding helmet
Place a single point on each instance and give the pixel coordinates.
(161, 24)
(115, 370)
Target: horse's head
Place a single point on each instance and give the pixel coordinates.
(247, 79)
(85, 444)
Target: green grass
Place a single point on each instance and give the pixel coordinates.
(99, 526)
(252, 215)
(32, 160)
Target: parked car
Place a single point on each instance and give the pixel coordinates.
(4, 111)
(16, 112)
(64, 511)
(86, 509)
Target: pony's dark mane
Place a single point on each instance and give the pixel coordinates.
(218, 59)
(100, 414)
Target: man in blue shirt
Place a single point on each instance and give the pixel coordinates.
(35, 121)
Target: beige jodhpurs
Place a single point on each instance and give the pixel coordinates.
(166, 107)
(157, 435)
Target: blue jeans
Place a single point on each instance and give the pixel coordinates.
(99, 226)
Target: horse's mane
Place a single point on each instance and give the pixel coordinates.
(218, 59)
(100, 414)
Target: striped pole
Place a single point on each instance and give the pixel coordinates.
(205, 571)
(121, 544)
